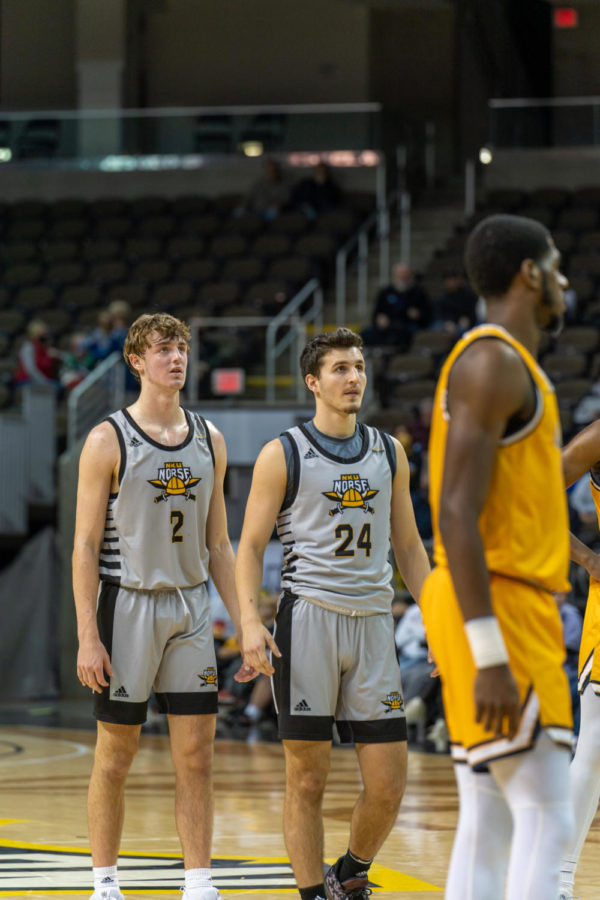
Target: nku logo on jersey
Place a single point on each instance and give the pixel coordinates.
(350, 492)
(174, 480)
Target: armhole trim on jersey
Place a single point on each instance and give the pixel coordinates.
(533, 422)
(291, 488)
(123, 451)
(390, 451)
(208, 437)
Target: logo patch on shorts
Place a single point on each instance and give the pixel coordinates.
(394, 700)
(121, 693)
(209, 676)
(302, 706)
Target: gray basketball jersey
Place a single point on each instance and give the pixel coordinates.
(335, 530)
(155, 531)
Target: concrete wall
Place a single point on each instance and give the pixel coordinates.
(257, 51)
(37, 54)
(575, 54)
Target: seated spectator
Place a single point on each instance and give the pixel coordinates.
(270, 194)
(120, 313)
(38, 362)
(401, 308)
(588, 407)
(318, 193)
(455, 308)
(77, 362)
(572, 624)
(100, 342)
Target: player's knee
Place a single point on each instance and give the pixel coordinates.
(194, 758)
(309, 782)
(115, 761)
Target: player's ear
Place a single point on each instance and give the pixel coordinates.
(531, 273)
(311, 382)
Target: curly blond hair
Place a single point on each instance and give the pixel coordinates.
(138, 336)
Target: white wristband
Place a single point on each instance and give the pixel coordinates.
(486, 642)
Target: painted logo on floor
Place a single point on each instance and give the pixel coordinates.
(60, 871)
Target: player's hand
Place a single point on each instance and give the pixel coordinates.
(245, 673)
(497, 705)
(435, 672)
(93, 665)
(255, 642)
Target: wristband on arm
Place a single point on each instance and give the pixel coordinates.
(486, 642)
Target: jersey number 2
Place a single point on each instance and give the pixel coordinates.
(345, 533)
(176, 520)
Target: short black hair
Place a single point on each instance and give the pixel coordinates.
(496, 248)
(315, 350)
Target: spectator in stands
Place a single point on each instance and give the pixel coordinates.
(77, 362)
(270, 194)
(455, 308)
(572, 624)
(100, 342)
(38, 362)
(401, 308)
(588, 407)
(120, 313)
(318, 193)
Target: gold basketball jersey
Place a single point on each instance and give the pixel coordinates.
(524, 522)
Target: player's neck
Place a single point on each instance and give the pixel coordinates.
(335, 424)
(522, 327)
(157, 407)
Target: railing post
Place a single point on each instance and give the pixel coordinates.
(430, 154)
(470, 187)
(340, 286)
(363, 271)
(405, 228)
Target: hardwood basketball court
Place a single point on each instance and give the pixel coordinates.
(44, 849)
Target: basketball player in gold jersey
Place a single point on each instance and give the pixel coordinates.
(582, 455)
(501, 548)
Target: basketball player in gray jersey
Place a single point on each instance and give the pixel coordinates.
(150, 527)
(338, 492)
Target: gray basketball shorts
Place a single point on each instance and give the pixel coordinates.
(161, 640)
(336, 668)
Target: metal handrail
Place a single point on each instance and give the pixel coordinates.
(111, 369)
(289, 316)
(361, 240)
(178, 111)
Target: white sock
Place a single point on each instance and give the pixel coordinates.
(253, 712)
(482, 842)
(536, 787)
(197, 878)
(105, 876)
(584, 783)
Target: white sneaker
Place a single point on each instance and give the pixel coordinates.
(205, 893)
(109, 893)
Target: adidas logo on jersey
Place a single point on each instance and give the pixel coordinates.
(134, 442)
(121, 692)
(302, 706)
(310, 454)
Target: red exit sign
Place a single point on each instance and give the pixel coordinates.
(566, 17)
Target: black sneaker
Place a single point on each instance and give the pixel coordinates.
(354, 888)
